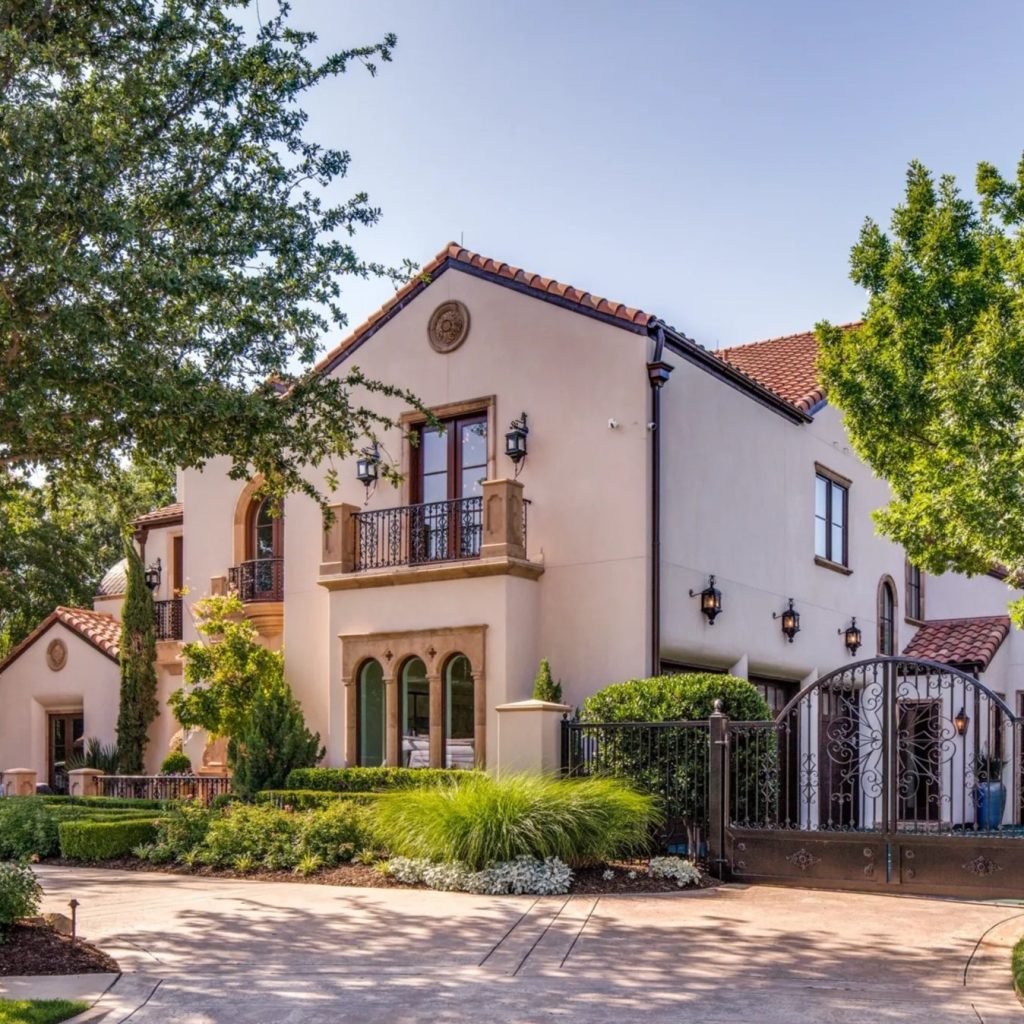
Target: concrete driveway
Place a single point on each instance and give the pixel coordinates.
(208, 950)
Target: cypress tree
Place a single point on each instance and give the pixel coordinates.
(544, 686)
(138, 668)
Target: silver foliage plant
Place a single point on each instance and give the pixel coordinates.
(522, 876)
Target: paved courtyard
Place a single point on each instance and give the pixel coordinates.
(206, 951)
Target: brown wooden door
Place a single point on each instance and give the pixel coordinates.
(65, 738)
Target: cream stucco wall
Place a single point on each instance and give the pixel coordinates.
(30, 690)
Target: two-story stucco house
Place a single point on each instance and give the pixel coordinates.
(595, 469)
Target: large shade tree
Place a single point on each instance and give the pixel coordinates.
(168, 262)
(932, 384)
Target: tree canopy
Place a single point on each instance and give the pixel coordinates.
(168, 264)
(931, 386)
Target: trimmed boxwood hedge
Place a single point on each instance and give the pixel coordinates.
(101, 802)
(104, 840)
(311, 799)
(368, 780)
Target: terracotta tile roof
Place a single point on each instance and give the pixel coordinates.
(169, 515)
(787, 366)
(583, 300)
(972, 642)
(101, 630)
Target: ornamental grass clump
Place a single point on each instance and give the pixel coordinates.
(484, 821)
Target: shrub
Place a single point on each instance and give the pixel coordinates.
(334, 834)
(684, 872)
(181, 830)
(20, 894)
(176, 763)
(485, 821)
(97, 755)
(28, 824)
(677, 698)
(107, 802)
(366, 780)
(544, 687)
(267, 835)
(524, 875)
(104, 840)
(311, 799)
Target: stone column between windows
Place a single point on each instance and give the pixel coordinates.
(351, 723)
(436, 720)
(392, 719)
(479, 719)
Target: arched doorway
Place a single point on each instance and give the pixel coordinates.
(371, 715)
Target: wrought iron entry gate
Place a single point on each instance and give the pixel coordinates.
(886, 774)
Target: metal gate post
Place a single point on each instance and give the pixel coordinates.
(718, 790)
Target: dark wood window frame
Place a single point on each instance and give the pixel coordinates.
(833, 481)
(914, 594)
(887, 586)
(453, 426)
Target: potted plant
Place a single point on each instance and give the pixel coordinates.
(989, 791)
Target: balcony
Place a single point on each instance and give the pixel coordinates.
(259, 579)
(483, 535)
(168, 619)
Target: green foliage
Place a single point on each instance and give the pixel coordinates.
(28, 824)
(169, 260)
(139, 704)
(311, 799)
(677, 698)
(58, 538)
(366, 780)
(20, 894)
(97, 755)
(104, 840)
(39, 1011)
(544, 687)
(183, 829)
(275, 741)
(176, 763)
(485, 821)
(104, 803)
(988, 767)
(1018, 968)
(931, 387)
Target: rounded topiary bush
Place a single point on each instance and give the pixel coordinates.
(176, 763)
(676, 698)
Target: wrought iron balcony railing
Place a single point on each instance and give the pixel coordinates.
(437, 531)
(168, 619)
(259, 579)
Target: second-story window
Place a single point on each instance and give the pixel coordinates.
(451, 460)
(915, 593)
(831, 501)
(886, 617)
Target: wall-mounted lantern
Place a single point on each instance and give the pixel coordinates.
(790, 620)
(153, 575)
(367, 466)
(961, 722)
(710, 600)
(515, 441)
(851, 636)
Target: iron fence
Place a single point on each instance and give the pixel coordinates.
(201, 788)
(259, 579)
(437, 531)
(168, 619)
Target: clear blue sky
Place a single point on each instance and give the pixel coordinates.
(709, 162)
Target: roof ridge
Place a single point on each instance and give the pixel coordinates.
(786, 337)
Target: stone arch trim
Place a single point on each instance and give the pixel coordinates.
(240, 525)
(887, 581)
(434, 647)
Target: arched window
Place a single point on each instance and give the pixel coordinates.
(263, 577)
(370, 703)
(458, 713)
(886, 617)
(415, 714)
(915, 592)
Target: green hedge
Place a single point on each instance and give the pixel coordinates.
(368, 780)
(311, 799)
(104, 840)
(129, 803)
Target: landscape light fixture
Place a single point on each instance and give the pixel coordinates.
(790, 620)
(710, 600)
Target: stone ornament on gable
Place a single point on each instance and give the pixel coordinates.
(448, 327)
(57, 655)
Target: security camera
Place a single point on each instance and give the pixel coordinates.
(613, 424)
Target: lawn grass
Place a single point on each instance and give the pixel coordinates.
(1018, 968)
(38, 1011)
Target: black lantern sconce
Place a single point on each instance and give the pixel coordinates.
(515, 442)
(710, 600)
(790, 620)
(153, 575)
(961, 722)
(852, 636)
(366, 467)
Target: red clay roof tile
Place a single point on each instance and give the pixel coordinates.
(963, 642)
(166, 516)
(101, 630)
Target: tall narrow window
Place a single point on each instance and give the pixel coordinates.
(263, 577)
(458, 713)
(886, 617)
(915, 593)
(830, 514)
(371, 714)
(415, 714)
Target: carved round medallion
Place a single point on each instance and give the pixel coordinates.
(448, 327)
(57, 655)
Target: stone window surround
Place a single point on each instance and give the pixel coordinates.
(391, 650)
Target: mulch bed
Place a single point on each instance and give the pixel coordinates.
(38, 949)
(588, 881)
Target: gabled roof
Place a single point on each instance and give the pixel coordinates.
(452, 253)
(101, 630)
(964, 643)
(786, 365)
(169, 515)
